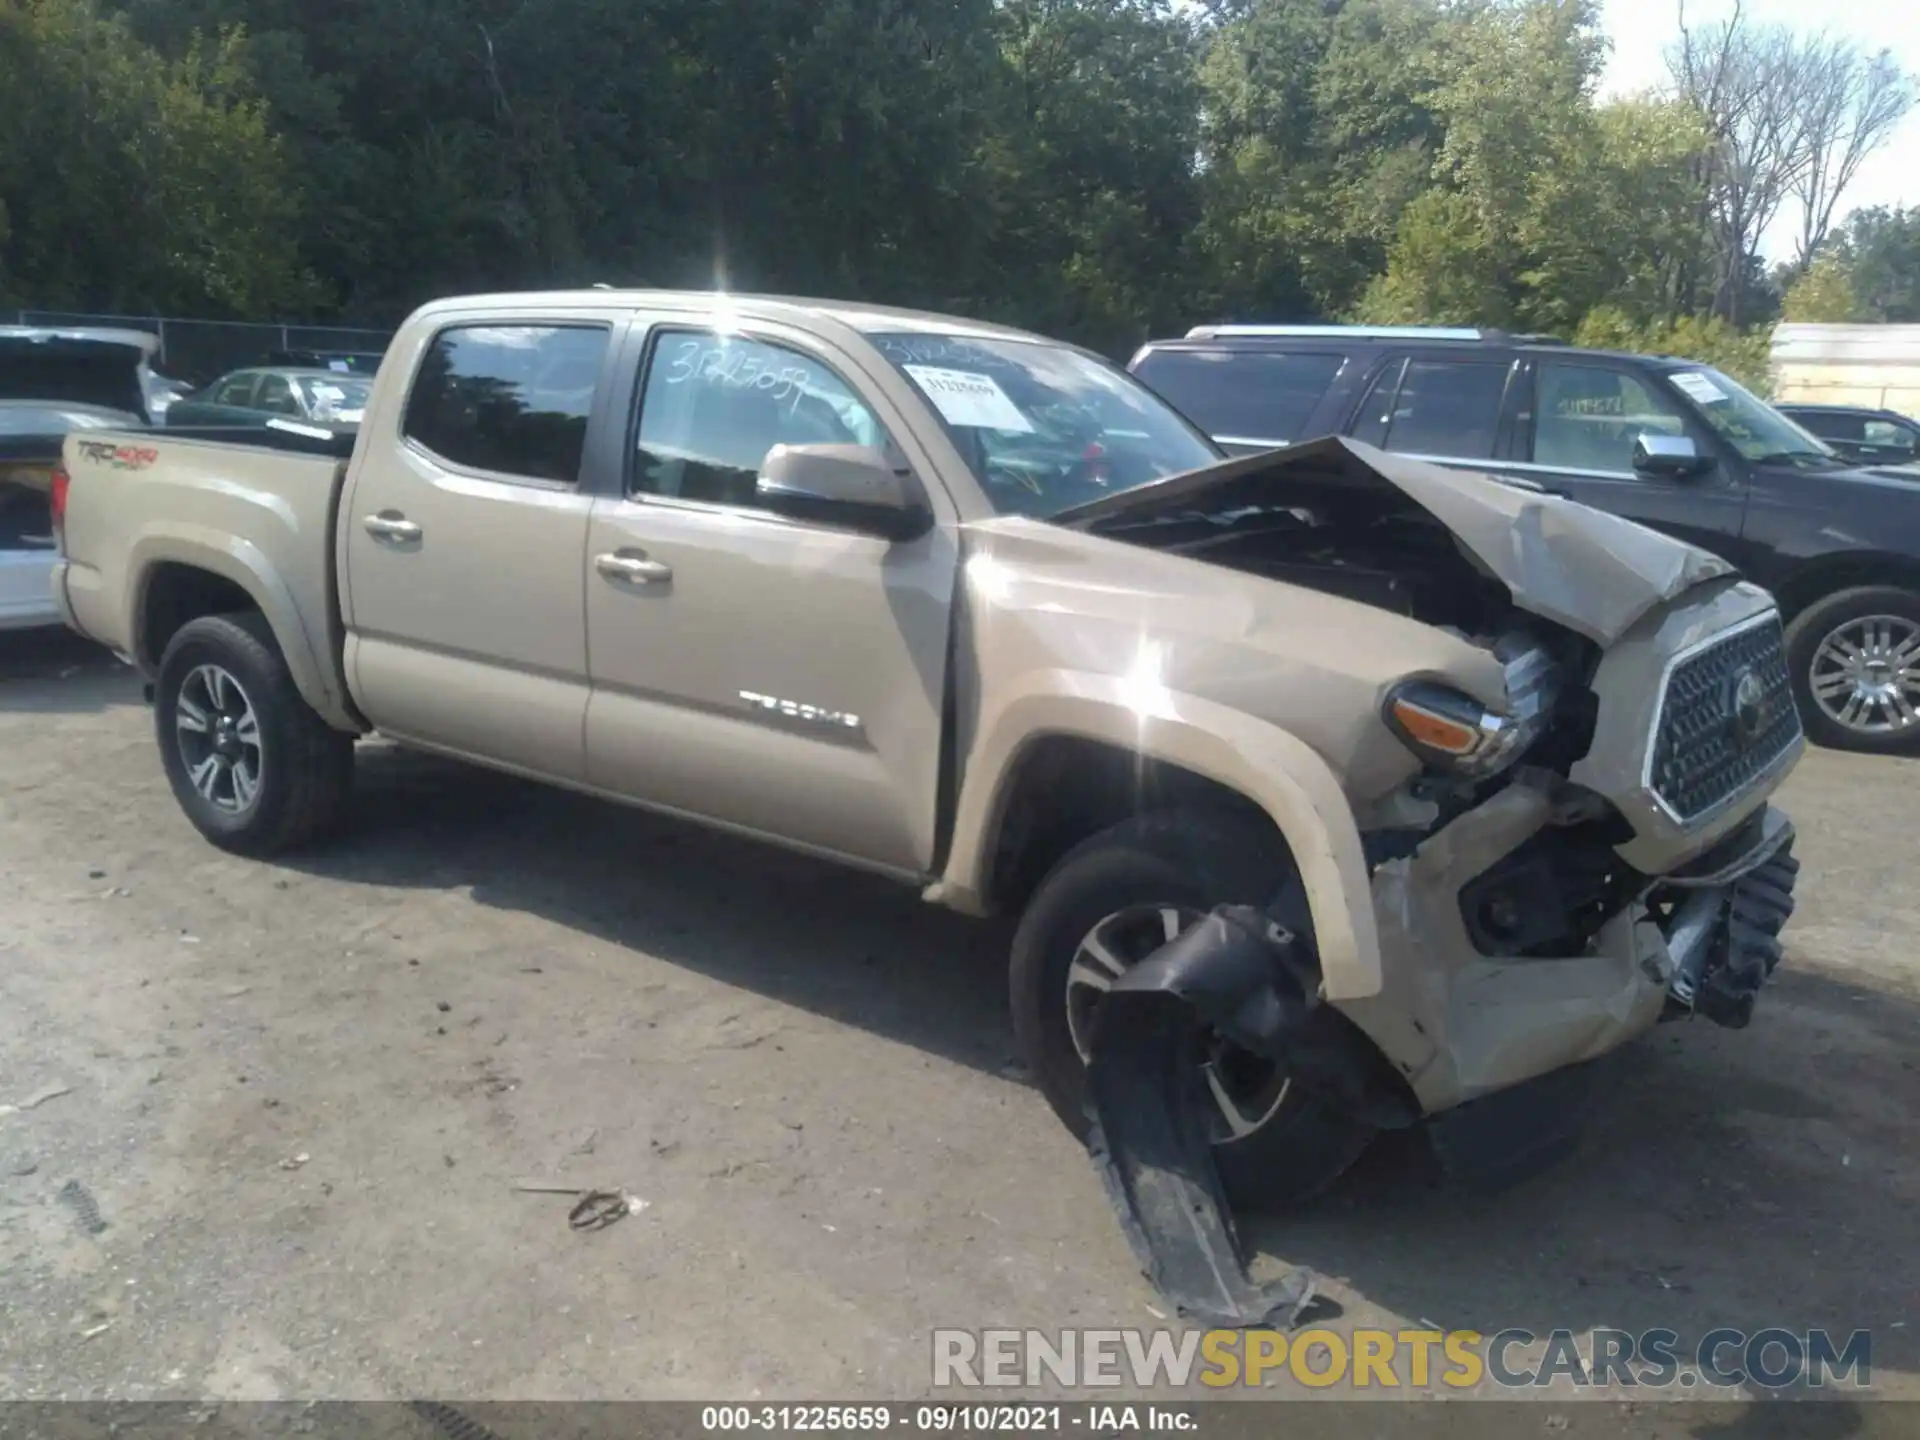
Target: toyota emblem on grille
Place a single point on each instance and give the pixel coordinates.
(1750, 708)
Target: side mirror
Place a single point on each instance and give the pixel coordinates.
(1671, 457)
(854, 486)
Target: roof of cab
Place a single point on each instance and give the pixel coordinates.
(867, 319)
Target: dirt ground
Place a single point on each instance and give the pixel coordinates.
(301, 1095)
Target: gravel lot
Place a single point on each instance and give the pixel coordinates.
(301, 1095)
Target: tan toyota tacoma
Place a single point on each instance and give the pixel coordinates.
(976, 610)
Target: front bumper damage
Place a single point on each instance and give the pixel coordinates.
(1709, 932)
(1723, 940)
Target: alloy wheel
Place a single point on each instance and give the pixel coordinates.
(1866, 674)
(1246, 1089)
(219, 738)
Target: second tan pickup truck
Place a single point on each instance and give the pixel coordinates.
(976, 610)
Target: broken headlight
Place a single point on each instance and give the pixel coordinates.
(1451, 730)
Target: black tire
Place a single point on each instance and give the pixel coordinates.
(1196, 861)
(1805, 636)
(304, 765)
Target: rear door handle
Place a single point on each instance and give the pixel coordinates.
(389, 525)
(636, 569)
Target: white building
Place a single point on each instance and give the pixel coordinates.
(1872, 365)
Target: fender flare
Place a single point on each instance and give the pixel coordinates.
(243, 563)
(1274, 769)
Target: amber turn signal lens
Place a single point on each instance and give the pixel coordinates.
(1436, 732)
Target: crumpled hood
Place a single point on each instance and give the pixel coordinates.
(1594, 573)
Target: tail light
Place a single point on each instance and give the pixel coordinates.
(57, 505)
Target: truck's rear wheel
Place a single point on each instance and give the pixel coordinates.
(1110, 903)
(256, 770)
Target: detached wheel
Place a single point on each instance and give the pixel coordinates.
(256, 770)
(1109, 904)
(1855, 658)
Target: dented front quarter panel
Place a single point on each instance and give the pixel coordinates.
(1270, 689)
(1275, 690)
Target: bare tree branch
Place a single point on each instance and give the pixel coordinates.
(1779, 107)
(1851, 102)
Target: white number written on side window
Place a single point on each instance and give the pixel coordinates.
(737, 368)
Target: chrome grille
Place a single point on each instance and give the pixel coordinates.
(1718, 730)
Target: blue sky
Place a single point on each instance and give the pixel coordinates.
(1641, 29)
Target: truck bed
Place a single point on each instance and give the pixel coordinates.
(250, 508)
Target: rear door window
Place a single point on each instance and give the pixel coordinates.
(1448, 409)
(1243, 397)
(510, 400)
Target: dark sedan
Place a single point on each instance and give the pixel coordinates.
(247, 397)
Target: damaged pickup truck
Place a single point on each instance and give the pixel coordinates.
(1406, 786)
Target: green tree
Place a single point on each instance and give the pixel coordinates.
(1743, 354)
(130, 182)
(1316, 137)
(1880, 249)
(1824, 294)
(1086, 169)
(1546, 205)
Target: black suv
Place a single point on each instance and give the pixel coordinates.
(1673, 444)
(1859, 432)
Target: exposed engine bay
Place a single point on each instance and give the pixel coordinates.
(1373, 546)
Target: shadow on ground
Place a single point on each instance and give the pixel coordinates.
(56, 672)
(1728, 1178)
(857, 949)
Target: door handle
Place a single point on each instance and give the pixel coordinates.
(386, 526)
(636, 569)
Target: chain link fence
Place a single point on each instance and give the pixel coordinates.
(198, 351)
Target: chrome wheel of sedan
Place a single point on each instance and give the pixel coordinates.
(219, 738)
(1246, 1088)
(1865, 674)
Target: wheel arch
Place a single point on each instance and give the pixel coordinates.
(1190, 750)
(1830, 574)
(179, 578)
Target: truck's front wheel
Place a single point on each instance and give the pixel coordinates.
(256, 770)
(1110, 903)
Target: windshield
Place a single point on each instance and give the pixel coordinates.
(1046, 428)
(337, 399)
(1748, 423)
